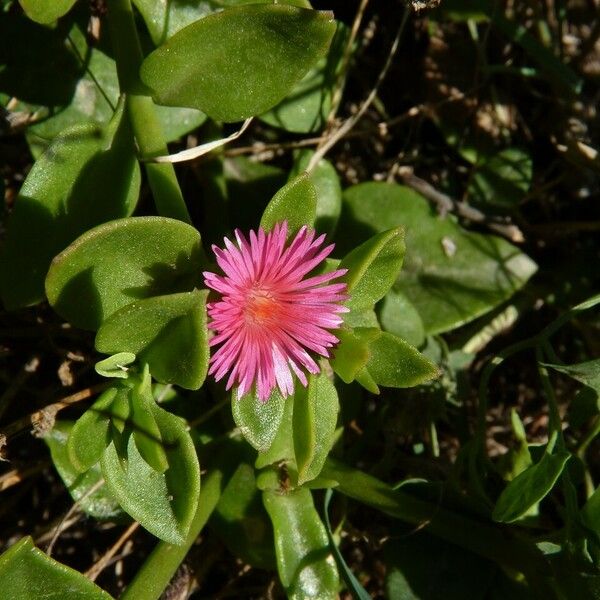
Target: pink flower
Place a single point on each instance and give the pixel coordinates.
(269, 318)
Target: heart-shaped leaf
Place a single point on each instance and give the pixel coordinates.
(502, 179)
(100, 503)
(450, 275)
(165, 19)
(306, 108)
(166, 332)
(87, 176)
(398, 315)
(274, 46)
(26, 572)
(295, 203)
(373, 267)
(46, 11)
(258, 421)
(119, 262)
(163, 503)
(305, 565)
(93, 86)
(316, 409)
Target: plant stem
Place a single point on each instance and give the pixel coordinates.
(156, 573)
(142, 114)
(486, 539)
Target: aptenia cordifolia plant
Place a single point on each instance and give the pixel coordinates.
(284, 371)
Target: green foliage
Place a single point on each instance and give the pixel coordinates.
(162, 496)
(166, 332)
(296, 202)
(531, 486)
(46, 11)
(93, 497)
(328, 190)
(279, 45)
(26, 572)
(90, 434)
(372, 268)
(316, 410)
(307, 106)
(115, 365)
(427, 295)
(374, 357)
(87, 176)
(451, 276)
(306, 568)
(241, 520)
(114, 264)
(258, 421)
(502, 179)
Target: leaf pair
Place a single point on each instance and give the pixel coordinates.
(147, 457)
(367, 354)
(299, 430)
(126, 278)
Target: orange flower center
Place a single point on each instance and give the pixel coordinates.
(261, 307)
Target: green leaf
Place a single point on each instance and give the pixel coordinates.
(258, 421)
(316, 409)
(241, 521)
(374, 357)
(352, 353)
(372, 268)
(306, 108)
(164, 19)
(90, 434)
(517, 459)
(163, 503)
(93, 90)
(88, 175)
(119, 262)
(398, 315)
(166, 332)
(502, 179)
(395, 363)
(305, 565)
(275, 46)
(115, 365)
(281, 449)
(100, 503)
(46, 11)
(26, 572)
(528, 488)
(146, 432)
(450, 275)
(295, 203)
(587, 372)
(328, 189)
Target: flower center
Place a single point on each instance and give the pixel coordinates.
(260, 307)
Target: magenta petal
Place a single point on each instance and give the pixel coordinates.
(269, 318)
